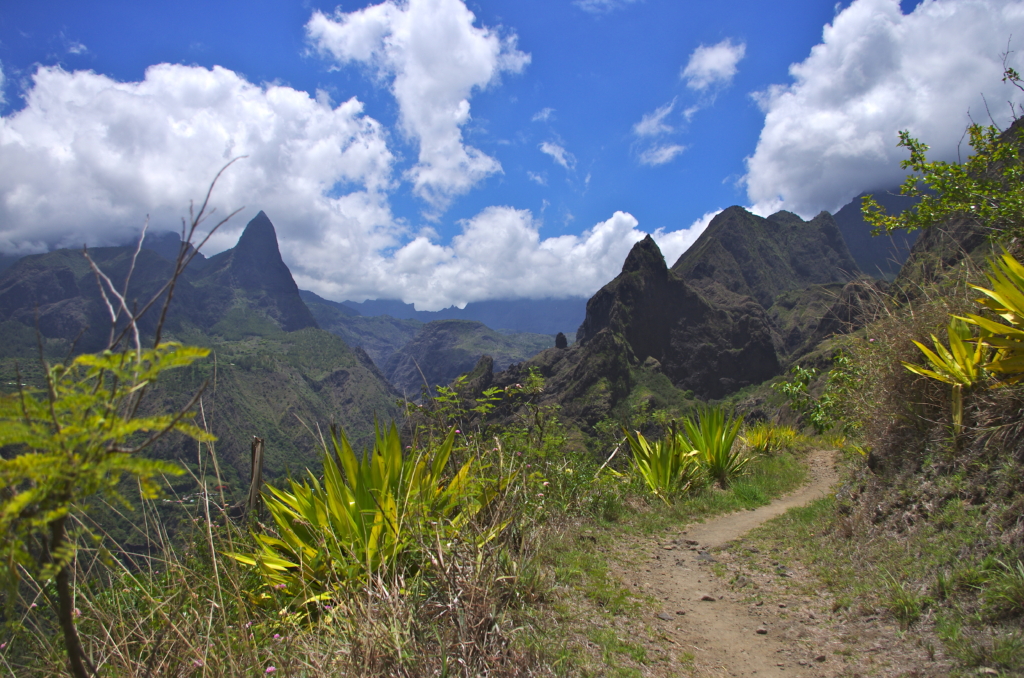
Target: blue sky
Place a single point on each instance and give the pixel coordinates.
(442, 151)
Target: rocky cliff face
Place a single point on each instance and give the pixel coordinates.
(650, 320)
(731, 312)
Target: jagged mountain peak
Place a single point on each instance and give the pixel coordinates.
(259, 236)
(763, 257)
(255, 270)
(645, 256)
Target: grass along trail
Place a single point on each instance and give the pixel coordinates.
(709, 615)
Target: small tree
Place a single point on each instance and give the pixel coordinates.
(988, 188)
(81, 434)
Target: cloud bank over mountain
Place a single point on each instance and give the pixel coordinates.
(832, 133)
(88, 157)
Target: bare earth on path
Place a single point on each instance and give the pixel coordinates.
(721, 614)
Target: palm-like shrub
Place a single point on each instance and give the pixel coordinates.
(960, 365)
(367, 515)
(713, 434)
(668, 466)
(1006, 300)
(765, 438)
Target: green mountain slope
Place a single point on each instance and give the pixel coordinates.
(270, 363)
(380, 336)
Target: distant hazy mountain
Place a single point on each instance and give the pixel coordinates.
(380, 336)
(444, 349)
(880, 256)
(538, 316)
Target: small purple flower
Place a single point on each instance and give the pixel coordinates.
(280, 587)
(458, 431)
(271, 669)
(197, 662)
(277, 636)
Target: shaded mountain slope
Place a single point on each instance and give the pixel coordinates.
(649, 324)
(252, 274)
(761, 258)
(883, 255)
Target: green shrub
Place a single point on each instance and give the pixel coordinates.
(367, 516)
(668, 466)
(765, 437)
(713, 433)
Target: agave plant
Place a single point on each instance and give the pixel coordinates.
(1006, 299)
(960, 365)
(712, 433)
(367, 515)
(667, 467)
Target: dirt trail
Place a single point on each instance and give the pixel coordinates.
(704, 615)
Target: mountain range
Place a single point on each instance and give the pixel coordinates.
(749, 297)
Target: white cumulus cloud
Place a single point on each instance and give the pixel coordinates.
(88, 157)
(659, 155)
(434, 58)
(558, 154)
(500, 254)
(832, 132)
(713, 65)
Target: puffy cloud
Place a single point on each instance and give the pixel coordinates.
(88, 157)
(659, 155)
(558, 154)
(832, 133)
(543, 115)
(500, 254)
(3, 81)
(539, 179)
(435, 58)
(653, 124)
(714, 65)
